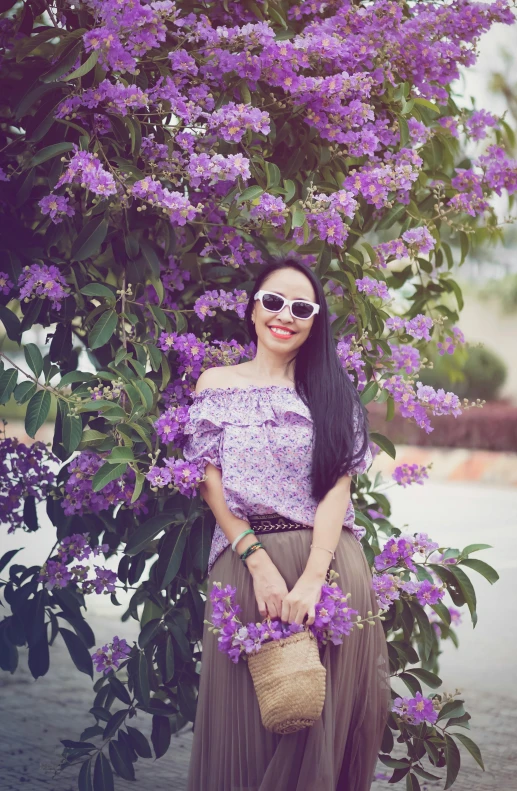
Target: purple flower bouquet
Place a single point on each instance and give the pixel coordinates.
(333, 620)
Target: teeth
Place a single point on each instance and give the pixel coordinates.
(281, 332)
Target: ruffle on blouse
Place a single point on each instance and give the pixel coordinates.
(215, 407)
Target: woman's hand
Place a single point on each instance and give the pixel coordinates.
(268, 583)
(302, 600)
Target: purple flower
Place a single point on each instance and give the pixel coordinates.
(419, 327)
(25, 471)
(415, 710)
(406, 474)
(56, 206)
(386, 589)
(40, 280)
(104, 581)
(55, 574)
(110, 655)
(5, 284)
(373, 288)
(270, 209)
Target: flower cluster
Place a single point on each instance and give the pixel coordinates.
(406, 474)
(202, 167)
(333, 621)
(405, 358)
(79, 497)
(5, 284)
(232, 121)
(85, 169)
(418, 327)
(426, 399)
(236, 300)
(25, 471)
(169, 426)
(175, 204)
(349, 353)
(186, 476)
(57, 574)
(110, 656)
(400, 551)
(388, 587)
(56, 206)
(415, 710)
(43, 281)
(272, 210)
(451, 342)
(373, 288)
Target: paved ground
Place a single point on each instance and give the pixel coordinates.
(37, 714)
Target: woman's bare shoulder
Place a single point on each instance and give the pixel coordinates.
(220, 376)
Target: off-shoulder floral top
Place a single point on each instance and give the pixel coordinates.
(261, 440)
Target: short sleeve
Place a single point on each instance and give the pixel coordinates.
(361, 462)
(203, 433)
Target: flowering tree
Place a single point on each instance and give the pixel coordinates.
(154, 155)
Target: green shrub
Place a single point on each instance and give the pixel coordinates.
(482, 374)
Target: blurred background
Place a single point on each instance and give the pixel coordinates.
(470, 497)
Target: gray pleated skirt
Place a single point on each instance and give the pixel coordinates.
(232, 751)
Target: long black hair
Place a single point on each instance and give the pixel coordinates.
(340, 421)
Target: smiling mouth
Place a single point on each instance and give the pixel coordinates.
(281, 333)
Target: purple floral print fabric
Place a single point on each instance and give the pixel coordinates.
(261, 440)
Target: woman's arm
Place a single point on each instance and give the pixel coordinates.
(268, 583)
(328, 524)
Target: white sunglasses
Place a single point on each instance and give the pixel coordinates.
(274, 303)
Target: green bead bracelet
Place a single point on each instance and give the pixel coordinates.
(250, 550)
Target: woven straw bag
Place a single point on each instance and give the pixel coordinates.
(289, 680)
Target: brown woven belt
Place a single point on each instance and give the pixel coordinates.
(274, 523)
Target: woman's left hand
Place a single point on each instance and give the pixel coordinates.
(302, 600)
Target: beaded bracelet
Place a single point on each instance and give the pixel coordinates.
(250, 550)
(236, 541)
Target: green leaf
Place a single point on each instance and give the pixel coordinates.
(483, 568)
(75, 376)
(412, 783)
(431, 679)
(106, 474)
(171, 554)
(121, 761)
(33, 358)
(425, 628)
(87, 66)
(404, 132)
(384, 443)
(49, 152)
(452, 757)
(78, 652)
(114, 723)
(298, 216)
(103, 329)
(72, 432)
(102, 774)
(453, 708)
(90, 238)
(146, 394)
(141, 680)
(37, 412)
(149, 631)
(149, 530)
(119, 690)
(161, 735)
(98, 290)
(85, 777)
(169, 660)
(273, 174)
(24, 391)
(428, 104)
(475, 548)
(11, 323)
(139, 485)
(8, 381)
(369, 392)
(139, 742)
(471, 747)
(250, 194)
(467, 589)
(120, 454)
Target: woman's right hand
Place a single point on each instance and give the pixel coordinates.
(269, 585)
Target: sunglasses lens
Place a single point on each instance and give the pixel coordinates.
(272, 302)
(302, 310)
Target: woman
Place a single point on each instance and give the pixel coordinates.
(281, 436)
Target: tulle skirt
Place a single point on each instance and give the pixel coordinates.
(232, 751)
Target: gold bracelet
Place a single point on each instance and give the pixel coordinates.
(326, 550)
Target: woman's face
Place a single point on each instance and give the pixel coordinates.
(292, 284)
